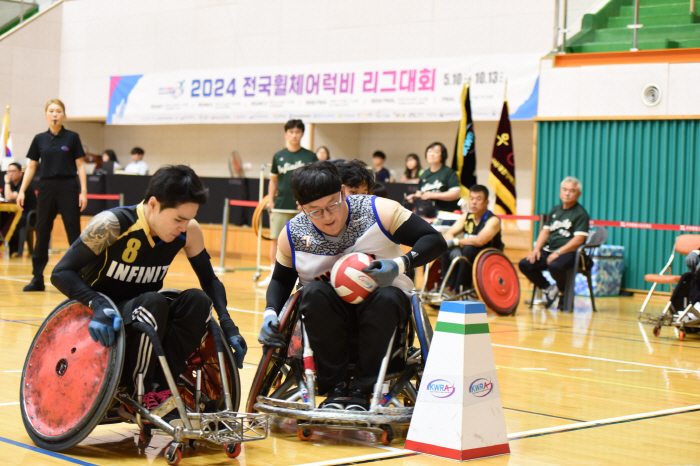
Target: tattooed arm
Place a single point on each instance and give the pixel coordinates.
(102, 231)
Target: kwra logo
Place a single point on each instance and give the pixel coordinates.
(441, 388)
(481, 387)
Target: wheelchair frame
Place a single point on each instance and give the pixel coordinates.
(476, 293)
(293, 390)
(225, 427)
(668, 319)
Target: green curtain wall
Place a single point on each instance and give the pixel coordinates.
(631, 170)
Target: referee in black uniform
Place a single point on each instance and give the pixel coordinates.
(62, 185)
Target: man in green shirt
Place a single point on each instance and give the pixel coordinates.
(564, 231)
(282, 201)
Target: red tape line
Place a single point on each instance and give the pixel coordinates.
(243, 203)
(646, 226)
(534, 218)
(113, 197)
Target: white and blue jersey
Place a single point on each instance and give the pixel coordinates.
(314, 253)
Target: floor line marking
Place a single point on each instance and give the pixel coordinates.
(636, 370)
(45, 452)
(591, 357)
(10, 404)
(24, 281)
(14, 371)
(534, 368)
(360, 459)
(587, 370)
(543, 414)
(620, 384)
(602, 422)
(243, 310)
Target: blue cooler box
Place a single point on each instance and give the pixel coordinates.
(608, 263)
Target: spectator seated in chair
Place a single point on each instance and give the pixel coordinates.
(481, 229)
(564, 231)
(688, 289)
(13, 181)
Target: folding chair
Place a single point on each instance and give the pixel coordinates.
(683, 246)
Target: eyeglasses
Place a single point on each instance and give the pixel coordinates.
(316, 214)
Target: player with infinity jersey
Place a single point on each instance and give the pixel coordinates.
(125, 253)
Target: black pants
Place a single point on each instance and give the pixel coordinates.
(181, 325)
(329, 325)
(14, 241)
(558, 269)
(686, 292)
(462, 273)
(55, 196)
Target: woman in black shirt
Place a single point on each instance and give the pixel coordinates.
(62, 185)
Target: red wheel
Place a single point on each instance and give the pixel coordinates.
(233, 450)
(69, 381)
(173, 455)
(656, 331)
(496, 282)
(305, 434)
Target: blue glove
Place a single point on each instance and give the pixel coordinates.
(270, 331)
(692, 261)
(104, 323)
(384, 271)
(240, 348)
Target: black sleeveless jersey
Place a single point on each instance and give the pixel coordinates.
(136, 263)
(471, 228)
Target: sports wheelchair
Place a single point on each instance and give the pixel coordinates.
(496, 283)
(71, 384)
(284, 384)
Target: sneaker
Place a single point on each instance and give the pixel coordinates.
(357, 400)
(152, 400)
(337, 397)
(264, 283)
(37, 284)
(552, 293)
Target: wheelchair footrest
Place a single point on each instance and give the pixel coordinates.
(282, 403)
(338, 418)
(655, 318)
(227, 427)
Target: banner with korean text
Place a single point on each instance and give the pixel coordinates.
(381, 91)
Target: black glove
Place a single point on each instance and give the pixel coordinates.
(105, 322)
(270, 331)
(455, 253)
(240, 349)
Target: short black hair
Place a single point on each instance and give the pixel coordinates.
(174, 185)
(19, 167)
(137, 150)
(478, 188)
(354, 173)
(379, 190)
(443, 150)
(291, 124)
(314, 181)
(379, 154)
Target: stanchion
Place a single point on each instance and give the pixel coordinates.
(224, 230)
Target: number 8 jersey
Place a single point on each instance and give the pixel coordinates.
(136, 263)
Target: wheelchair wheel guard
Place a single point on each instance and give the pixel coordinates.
(273, 360)
(68, 381)
(496, 282)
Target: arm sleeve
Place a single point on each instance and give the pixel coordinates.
(212, 286)
(66, 275)
(427, 243)
(79, 152)
(281, 286)
(274, 170)
(583, 224)
(33, 153)
(452, 180)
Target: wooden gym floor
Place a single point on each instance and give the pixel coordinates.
(579, 388)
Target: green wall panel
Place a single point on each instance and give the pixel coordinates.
(632, 170)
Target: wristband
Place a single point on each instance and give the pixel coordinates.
(269, 311)
(401, 262)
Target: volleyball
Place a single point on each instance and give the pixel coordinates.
(349, 281)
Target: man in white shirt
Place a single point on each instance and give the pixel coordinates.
(137, 166)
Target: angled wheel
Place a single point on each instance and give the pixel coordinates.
(69, 381)
(496, 282)
(305, 434)
(274, 362)
(233, 450)
(205, 361)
